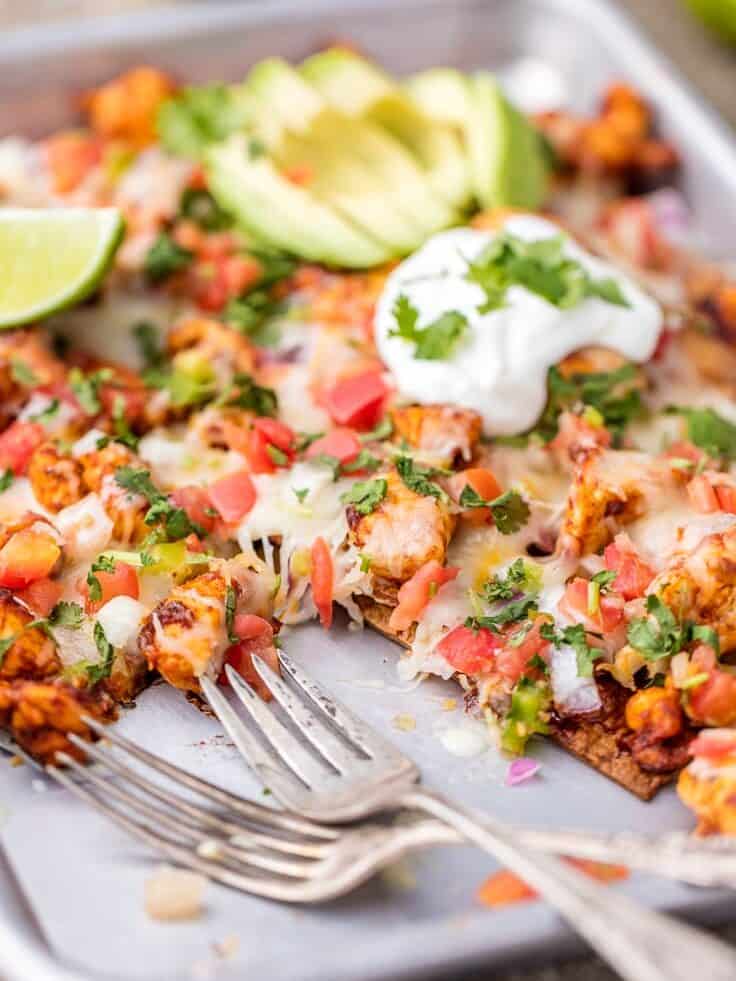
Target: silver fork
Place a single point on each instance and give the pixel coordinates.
(675, 855)
(351, 772)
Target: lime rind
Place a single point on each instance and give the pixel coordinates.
(36, 244)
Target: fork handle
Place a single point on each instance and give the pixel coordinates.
(639, 943)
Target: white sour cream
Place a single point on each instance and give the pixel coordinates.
(499, 367)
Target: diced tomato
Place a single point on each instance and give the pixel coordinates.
(26, 557)
(219, 246)
(714, 701)
(209, 287)
(277, 433)
(41, 596)
(357, 401)
(505, 888)
(132, 398)
(239, 273)
(663, 344)
(18, 443)
(194, 543)
(123, 581)
(633, 574)
(513, 661)
(197, 502)
(256, 637)
(342, 443)
(70, 157)
(233, 495)
(484, 483)
(470, 651)
(418, 591)
(257, 453)
(575, 606)
(322, 581)
(726, 496)
(714, 744)
(702, 496)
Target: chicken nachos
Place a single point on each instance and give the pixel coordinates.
(395, 347)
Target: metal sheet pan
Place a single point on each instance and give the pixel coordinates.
(431, 931)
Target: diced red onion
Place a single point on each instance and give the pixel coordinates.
(521, 770)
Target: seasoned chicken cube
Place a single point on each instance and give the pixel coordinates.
(125, 108)
(700, 585)
(39, 716)
(127, 510)
(187, 635)
(32, 654)
(610, 489)
(56, 478)
(405, 531)
(442, 433)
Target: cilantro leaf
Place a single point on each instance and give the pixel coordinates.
(198, 205)
(540, 266)
(510, 511)
(604, 578)
(101, 564)
(22, 373)
(5, 644)
(176, 521)
(6, 479)
(512, 612)
(47, 414)
(164, 258)
(519, 577)
(147, 339)
(230, 602)
(585, 655)
(658, 634)
(418, 478)
(87, 388)
(66, 614)
(434, 342)
(710, 431)
(276, 455)
(249, 313)
(102, 669)
(382, 431)
(245, 393)
(365, 495)
(198, 116)
(300, 493)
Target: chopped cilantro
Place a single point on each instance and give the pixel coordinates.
(706, 635)
(382, 431)
(198, 205)
(363, 461)
(510, 511)
(512, 612)
(22, 373)
(47, 414)
(6, 479)
(541, 267)
(198, 116)
(418, 478)
(245, 393)
(300, 493)
(365, 495)
(99, 671)
(164, 258)
(275, 266)
(435, 341)
(521, 576)
(575, 637)
(102, 563)
(5, 644)
(710, 431)
(147, 338)
(305, 440)
(66, 614)
(276, 455)
(87, 388)
(249, 313)
(230, 601)
(176, 522)
(123, 432)
(604, 578)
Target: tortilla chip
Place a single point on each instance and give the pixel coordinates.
(597, 741)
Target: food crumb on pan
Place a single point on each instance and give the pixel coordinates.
(404, 722)
(174, 894)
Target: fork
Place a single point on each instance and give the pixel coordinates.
(251, 826)
(354, 773)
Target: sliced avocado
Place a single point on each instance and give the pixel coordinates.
(508, 164)
(285, 96)
(285, 216)
(442, 94)
(358, 88)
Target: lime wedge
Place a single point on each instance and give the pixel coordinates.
(52, 258)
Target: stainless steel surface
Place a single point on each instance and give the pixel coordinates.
(585, 40)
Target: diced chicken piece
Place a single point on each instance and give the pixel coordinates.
(33, 654)
(441, 432)
(700, 585)
(39, 716)
(56, 478)
(404, 532)
(610, 489)
(126, 510)
(222, 427)
(125, 108)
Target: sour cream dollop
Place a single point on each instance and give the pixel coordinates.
(500, 365)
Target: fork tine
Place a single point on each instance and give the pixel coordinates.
(197, 814)
(350, 725)
(319, 735)
(310, 771)
(272, 887)
(183, 828)
(274, 774)
(252, 811)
